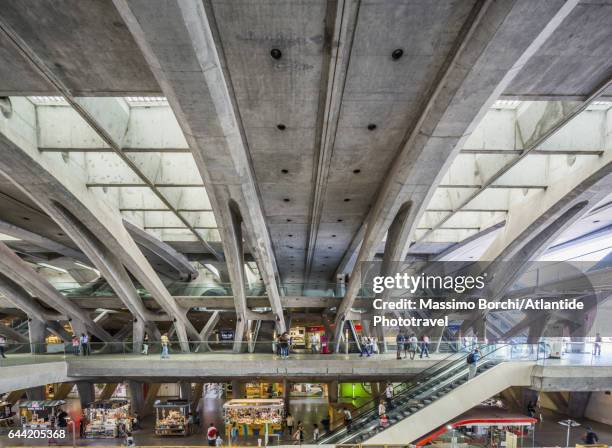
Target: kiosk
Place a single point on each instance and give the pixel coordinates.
(172, 418)
(39, 414)
(254, 417)
(106, 418)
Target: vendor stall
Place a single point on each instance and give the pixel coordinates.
(172, 418)
(257, 417)
(107, 419)
(39, 414)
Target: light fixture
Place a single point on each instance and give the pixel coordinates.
(397, 53)
(276, 53)
(371, 127)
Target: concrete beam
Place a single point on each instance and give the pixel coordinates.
(174, 259)
(13, 335)
(462, 92)
(58, 188)
(198, 89)
(13, 267)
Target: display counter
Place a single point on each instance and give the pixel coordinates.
(172, 418)
(254, 417)
(41, 414)
(107, 419)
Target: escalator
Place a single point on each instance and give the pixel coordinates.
(430, 386)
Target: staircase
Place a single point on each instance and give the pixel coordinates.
(412, 400)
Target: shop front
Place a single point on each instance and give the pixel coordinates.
(172, 418)
(39, 414)
(107, 419)
(260, 418)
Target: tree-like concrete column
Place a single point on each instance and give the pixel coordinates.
(15, 268)
(198, 89)
(461, 93)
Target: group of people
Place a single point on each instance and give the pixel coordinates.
(410, 346)
(369, 346)
(297, 432)
(80, 345)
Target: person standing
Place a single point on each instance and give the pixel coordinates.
(314, 343)
(324, 347)
(84, 344)
(472, 361)
(389, 395)
(400, 341)
(2, 346)
(590, 436)
(413, 343)
(381, 408)
(597, 345)
(425, 346)
(164, 346)
(365, 344)
(211, 434)
(75, 345)
(234, 434)
(348, 419)
(218, 440)
(145, 345)
(129, 439)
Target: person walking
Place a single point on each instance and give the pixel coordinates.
(472, 360)
(590, 436)
(2, 346)
(365, 347)
(348, 419)
(400, 341)
(218, 440)
(597, 345)
(211, 434)
(164, 346)
(289, 423)
(413, 343)
(315, 432)
(425, 346)
(145, 345)
(84, 344)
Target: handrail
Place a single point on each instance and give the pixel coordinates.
(417, 384)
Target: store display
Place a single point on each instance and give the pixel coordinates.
(172, 418)
(254, 416)
(107, 419)
(39, 414)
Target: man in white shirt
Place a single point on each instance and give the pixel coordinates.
(314, 343)
(2, 346)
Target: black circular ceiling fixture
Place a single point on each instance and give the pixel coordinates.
(281, 127)
(285, 171)
(357, 171)
(371, 127)
(397, 54)
(276, 53)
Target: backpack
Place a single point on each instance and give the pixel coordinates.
(470, 358)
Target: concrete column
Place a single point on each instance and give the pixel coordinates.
(332, 392)
(37, 332)
(376, 388)
(136, 396)
(577, 404)
(286, 394)
(36, 393)
(138, 334)
(185, 391)
(87, 393)
(238, 389)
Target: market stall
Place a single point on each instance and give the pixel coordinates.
(39, 414)
(254, 417)
(172, 418)
(107, 419)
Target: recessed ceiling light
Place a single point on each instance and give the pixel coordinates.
(290, 247)
(286, 199)
(276, 53)
(281, 127)
(340, 220)
(284, 171)
(333, 236)
(397, 53)
(290, 235)
(329, 247)
(288, 220)
(596, 221)
(357, 171)
(371, 127)
(347, 199)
